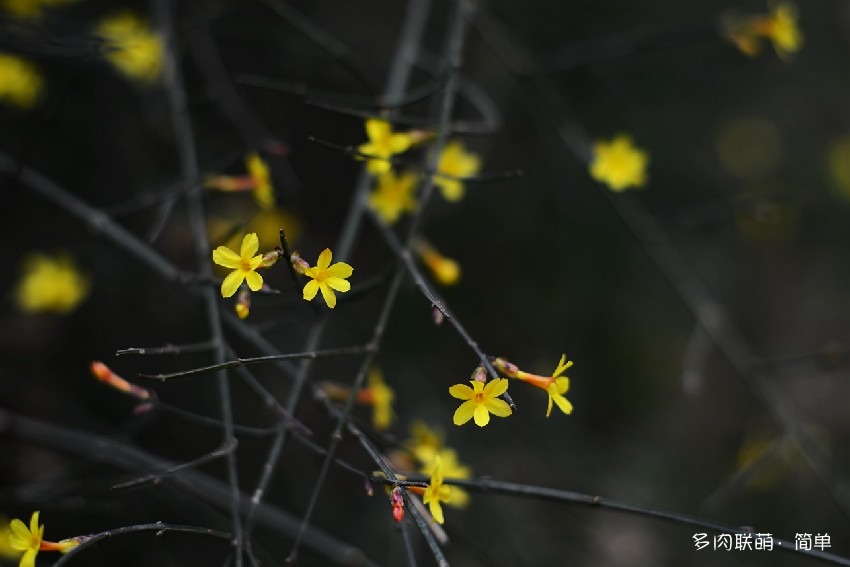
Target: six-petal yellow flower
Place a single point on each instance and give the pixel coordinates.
(481, 401)
(383, 144)
(454, 164)
(244, 265)
(393, 196)
(29, 540)
(555, 386)
(327, 278)
(619, 164)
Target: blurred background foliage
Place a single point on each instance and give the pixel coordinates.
(748, 180)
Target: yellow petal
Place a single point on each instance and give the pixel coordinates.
(231, 283)
(451, 189)
(255, 280)
(224, 256)
(28, 558)
(495, 388)
(338, 284)
(250, 245)
(328, 294)
(461, 392)
(400, 143)
(498, 407)
(339, 270)
(255, 262)
(324, 259)
(378, 166)
(311, 289)
(481, 415)
(464, 412)
(436, 510)
(563, 404)
(377, 129)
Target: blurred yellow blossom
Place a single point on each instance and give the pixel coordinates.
(445, 270)
(20, 82)
(618, 163)
(6, 549)
(381, 397)
(132, 46)
(50, 284)
(779, 27)
(258, 181)
(393, 196)
(244, 265)
(452, 468)
(326, 278)
(425, 443)
(30, 9)
(456, 163)
(30, 540)
(480, 401)
(383, 144)
(437, 492)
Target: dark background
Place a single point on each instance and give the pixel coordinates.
(549, 267)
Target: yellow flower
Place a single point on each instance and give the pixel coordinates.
(555, 386)
(50, 285)
(618, 163)
(30, 542)
(327, 278)
(456, 163)
(452, 468)
(31, 9)
(259, 172)
(779, 27)
(481, 401)
(383, 143)
(243, 264)
(393, 196)
(445, 270)
(132, 47)
(425, 442)
(6, 549)
(20, 81)
(437, 491)
(381, 397)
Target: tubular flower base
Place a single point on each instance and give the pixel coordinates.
(243, 264)
(481, 401)
(437, 492)
(619, 164)
(454, 164)
(327, 278)
(555, 385)
(383, 144)
(446, 271)
(30, 540)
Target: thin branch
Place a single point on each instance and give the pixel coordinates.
(204, 346)
(313, 355)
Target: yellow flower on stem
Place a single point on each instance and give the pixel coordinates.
(393, 196)
(481, 401)
(437, 492)
(452, 468)
(243, 264)
(779, 27)
(132, 47)
(326, 278)
(383, 144)
(380, 397)
(30, 540)
(555, 385)
(454, 164)
(258, 181)
(20, 82)
(425, 443)
(50, 285)
(618, 163)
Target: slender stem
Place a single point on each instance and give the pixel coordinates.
(187, 155)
